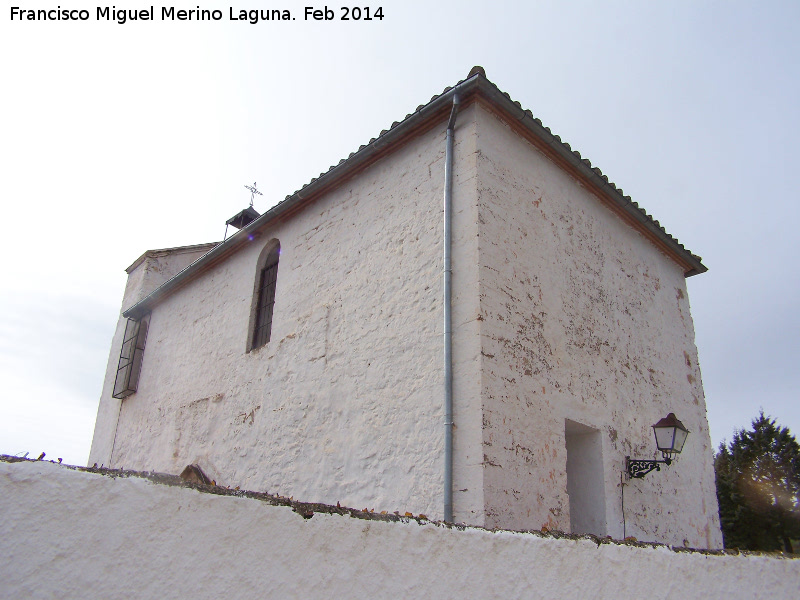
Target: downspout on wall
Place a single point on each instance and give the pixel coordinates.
(448, 331)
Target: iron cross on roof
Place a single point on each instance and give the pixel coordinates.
(253, 192)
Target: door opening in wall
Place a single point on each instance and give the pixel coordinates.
(585, 485)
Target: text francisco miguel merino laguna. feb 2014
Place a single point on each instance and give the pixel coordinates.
(171, 13)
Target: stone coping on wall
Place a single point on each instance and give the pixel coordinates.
(307, 510)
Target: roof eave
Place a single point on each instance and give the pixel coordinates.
(358, 160)
(439, 107)
(156, 253)
(606, 190)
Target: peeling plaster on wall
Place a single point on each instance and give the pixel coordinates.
(66, 532)
(582, 319)
(345, 402)
(560, 311)
(148, 272)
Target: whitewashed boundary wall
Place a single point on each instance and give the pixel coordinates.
(69, 533)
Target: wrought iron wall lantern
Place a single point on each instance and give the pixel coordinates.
(670, 438)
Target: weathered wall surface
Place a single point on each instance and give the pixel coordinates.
(148, 272)
(69, 534)
(561, 313)
(583, 320)
(345, 403)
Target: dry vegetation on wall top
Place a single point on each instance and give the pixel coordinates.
(308, 509)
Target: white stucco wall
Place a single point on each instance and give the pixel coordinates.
(69, 534)
(148, 272)
(345, 403)
(560, 312)
(583, 319)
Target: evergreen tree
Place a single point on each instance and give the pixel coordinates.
(758, 487)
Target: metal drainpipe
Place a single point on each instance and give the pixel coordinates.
(448, 331)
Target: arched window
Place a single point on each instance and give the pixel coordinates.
(264, 296)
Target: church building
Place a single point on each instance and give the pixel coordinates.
(463, 319)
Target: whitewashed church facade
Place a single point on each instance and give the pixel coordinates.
(303, 356)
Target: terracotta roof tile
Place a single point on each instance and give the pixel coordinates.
(526, 113)
(487, 88)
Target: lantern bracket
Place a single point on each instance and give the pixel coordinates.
(637, 469)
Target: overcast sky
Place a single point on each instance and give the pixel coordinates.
(116, 139)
